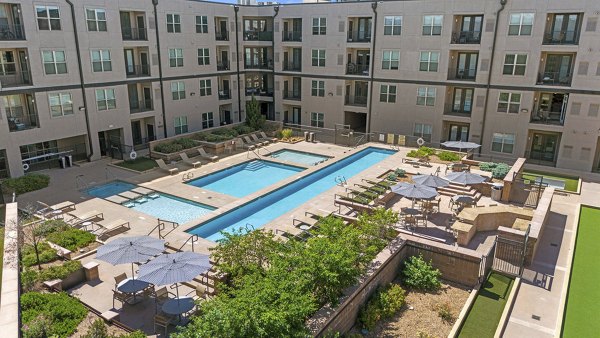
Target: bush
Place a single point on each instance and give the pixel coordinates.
(419, 274)
(72, 239)
(29, 276)
(383, 305)
(63, 314)
(448, 156)
(286, 134)
(400, 172)
(445, 312)
(421, 152)
(99, 330)
(243, 129)
(392, 177)
(488, 166)
(27, 183)
(186, 143)
(47, 254)
(500, 171)
(168, 148)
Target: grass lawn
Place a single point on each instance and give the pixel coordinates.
(485, 314)
(571, 183)
(139, 164)
(583, 294)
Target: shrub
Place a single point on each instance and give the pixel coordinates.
(47, 254)
(59, 271)
(186, 143)
(400, 172)
(99, 330)
(419, 274)
(421, 152)
(168, 148)
(72, 239)
(445, 312)
(383, 305)
(500, 171)
(448, 156)
(254, 119)
(27, 183)
(243, 129)
(286, 134)
(392, 177)
(488, 166)
(63, 313)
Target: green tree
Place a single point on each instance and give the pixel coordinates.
(254, 118)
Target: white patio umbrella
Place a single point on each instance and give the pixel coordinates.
(460, 145)
(130, 250)
(414, 191)
(432, 181)
(465, 178)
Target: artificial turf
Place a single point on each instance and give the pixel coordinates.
(571, 183)
(583, 298)
(484, 316)
(139, 164)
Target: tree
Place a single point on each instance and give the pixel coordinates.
(254, 118)
(34, 234)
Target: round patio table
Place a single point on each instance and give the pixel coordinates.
(131, 285)
(410, 211)
(304, 227)
(178, 306)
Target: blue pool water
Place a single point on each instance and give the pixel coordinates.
(299, 157)
(246, 178)
(109, 189)
(266, 208)
(173, 209)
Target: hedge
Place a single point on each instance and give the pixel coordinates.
(48, 314)
(72, 239)
(27, 183)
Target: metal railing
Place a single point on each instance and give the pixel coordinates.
(134, 34)
(450, 110)
(360, 101)
(142, 143)
(258, 36)
(561, 38)
(547, 117)
(23, 122)
(140, 106)
(554, 78)
(12, 32)
(137, 70)
(162, 226)
(259, 65)
(222, 65)
(14, 79)
(292, 95)
(222, 36)
(224, 94)
(359, 36)
(357, 69)
(50, 159)
(468, 74)
(292, 67)
(259, 91)
(291, 36)
(466, 37)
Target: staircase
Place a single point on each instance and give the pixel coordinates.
(255, 165)
(459, 189)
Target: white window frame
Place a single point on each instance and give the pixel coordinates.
(317, 119)
(426, 96)
(317, 88)
(319, 25)
(106, 100)
(175, 57)
(515, 64)
(205, 87)
(53, 61)
(208, 120)
(202, 26)
(517, 20)
(96, 23)
(173, 23)
(178, 90)
(203, 56)
(49, 20)
(387, 93)
(430, 22)
(503, 142)
(63, 106)
(391, 25)
(429, 61)
(390, 59)
(419, 131)
(509, 102)
(320, 57)
(102, 59)
(180, 122)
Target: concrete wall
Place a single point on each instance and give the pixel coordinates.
(9, 300)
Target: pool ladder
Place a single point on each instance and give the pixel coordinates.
(341, 181)
(80, 183)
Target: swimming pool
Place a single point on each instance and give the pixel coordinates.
(266, 208)
(299, 157)
(110, 189)
(172, 208)
(246, 178)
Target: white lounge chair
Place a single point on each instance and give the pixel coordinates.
(56, 209)
(247, 140)
(203, 154)
(258, 141)
(265, 137)
(163, 166)
(189, 162)
(110, 228)
(88, 216)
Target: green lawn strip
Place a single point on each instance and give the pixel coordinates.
(484, 316)
(583, 294)
(139, 164)
(571, 183)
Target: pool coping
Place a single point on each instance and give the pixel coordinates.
(327, 157)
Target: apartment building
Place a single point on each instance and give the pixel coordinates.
(88, 77)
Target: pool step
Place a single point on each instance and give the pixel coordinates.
(254, 166)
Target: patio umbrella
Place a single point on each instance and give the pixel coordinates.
(432, 181)
(460, 145)
(414, 191)
(465, 177)
(130, 250)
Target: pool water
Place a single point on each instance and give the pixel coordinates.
(246, 178)
(264, 209)
(299, 157)
(172, 208)
(110, 189)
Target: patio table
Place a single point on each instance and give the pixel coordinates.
(410, 211)
(178, 306)
(132, 286)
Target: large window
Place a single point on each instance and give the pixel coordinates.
(514, 64)
(319, 26)
(318, 88)
(105, 99)
(429, 61)
(426, 96)
(173, 23)
(61, 104)
(96, 20)
(7, 63)
(175, 57)
(391, 59)
(37, 149)
(387, 93)
(101, 60)
(318, 57)
(54, 62)
(432, 24)
(178, 90)
(463, 100)
(422, 130)
(392, 25)
(207, 120)
(181, 125)
(48, 18)
(201, 24)
(520, 24)
(203, 56)
(205, 88)
(317, 120)
(509, 103)
(503, 143)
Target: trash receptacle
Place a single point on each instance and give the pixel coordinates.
(311, 137)
(69, 160)
(496, 194)
(306, 136)
(62, 162)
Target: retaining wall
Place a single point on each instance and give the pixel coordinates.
(9, 299)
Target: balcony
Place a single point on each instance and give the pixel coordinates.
(459, 112)
(19, 119)
(359, 36)
(462, 74)
(137, 70)
(555, 78)
(14, 79)
(259, 65)
(134, 34)
(466, 37)
(356, 69)
(562, 29)
(292, 67)
(11, 32)
(222, 35)
(358, 101)
(258, 36)
(561, 38)
(141, 106)
(258, 91)
(542, 116)
(550, 108)
(222, 66)
(292, 95)
(292, 36)
(224, 94)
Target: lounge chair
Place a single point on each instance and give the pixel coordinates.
(247, 140)
(56, 209)
(241, 144)
(108, 229)
(89, 216)
(189, 162)
(265, 137)
(259, 141)
(203, 154)
(163, 166)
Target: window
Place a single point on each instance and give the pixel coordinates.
(178, 90)
(318, 57)
(426, 96)
(391, 59)
(203, 56)
(422, 130)
(509, 103)
(520, 24)
(173, 23)
(180, 124)
(61, 104)
(96, 20)
(175, 57)
(387, 93)
(463, 100)
(205, 88)
(432, 24)
(201, 24)
(37, 149)
(319, 26)
(318, 88)
(392, 25)
(316, 120)
(7, 63)
(503, 143)
(105, 99)
(54, 62)
(514, 64)
(48, 18)
(207, 120)
(429, 61)
(101, 61)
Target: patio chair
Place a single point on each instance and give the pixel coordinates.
(121, 297)
(207, 156)
(89, 216)
(265, 137)
(162, 295)
(188, 161)
(120, 278)
(255, 138)
(162, 321)
(163, 166)
(247, 140)
(241, 144)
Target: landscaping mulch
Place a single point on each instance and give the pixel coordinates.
(86, 323)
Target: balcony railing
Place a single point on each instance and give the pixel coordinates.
(134, 34)
(222, 36)
(137, 70)
(224, 94)
(561, 38)
(257, 91)
(359, 36)
(292, 67)
(462, 74)
(12, 32)
(259, 65)
(258, 36)
(292, 95)
(548, 117)
(222, 65)
(19, 120)
(15, 79)
(141, 106)
(292, 36)
(466, 37)
(359, 101)
(554, 79)
(461, 112)
(354, 69)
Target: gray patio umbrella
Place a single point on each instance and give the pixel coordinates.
(414, 191)
(430, 181)
(130, 250)
(460, 145)
(465, 177)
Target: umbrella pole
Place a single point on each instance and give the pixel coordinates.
(132, 275)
